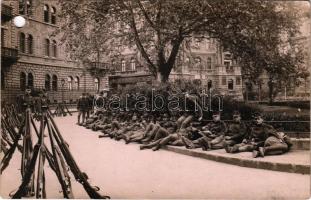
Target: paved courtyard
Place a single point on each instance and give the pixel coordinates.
(123, 171)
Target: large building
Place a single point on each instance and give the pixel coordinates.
(205, 62)
(32, 57)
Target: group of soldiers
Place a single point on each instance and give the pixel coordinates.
(154, 131)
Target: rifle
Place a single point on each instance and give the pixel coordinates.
(78, 174)
(63, 176)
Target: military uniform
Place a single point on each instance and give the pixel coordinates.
(256, 138)
(235, 133)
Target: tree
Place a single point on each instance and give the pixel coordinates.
(158, 28)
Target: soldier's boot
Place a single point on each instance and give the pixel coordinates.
(255, 153)
(261, 151)
(188, 143)
(234, 149)
(157, 147)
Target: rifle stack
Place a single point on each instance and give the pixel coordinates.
(49, 146)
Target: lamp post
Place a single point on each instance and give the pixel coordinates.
(62, 84)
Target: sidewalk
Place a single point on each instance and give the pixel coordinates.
(295, 161)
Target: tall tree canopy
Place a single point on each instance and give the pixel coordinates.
(253, 31)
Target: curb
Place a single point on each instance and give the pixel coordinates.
(243, 162)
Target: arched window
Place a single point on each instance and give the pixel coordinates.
(69, 79)
(54, 49)
(30, 44)
(198, 60)
(47, 82)
(54, 82)
(77, 83)
(209, 63)
(21, 7)
(123, 65)
(47, 47)
(28, 7)
(209, 84)
(22, 43)
(230, 84)
(46, 13)
(133, 64)
(96, 84)
(53, 15)
(30, 80)
(24, 7)
(22, 80)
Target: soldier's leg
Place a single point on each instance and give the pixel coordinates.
(150, 145)
(180, 121)
(273, 146)
(79, 117)
(188, 143)
(230, 142)
(186, 122)
(151, 134)
(178, 142)
(161, 133)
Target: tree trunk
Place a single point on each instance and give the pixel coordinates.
(271, 90)
(162, 76)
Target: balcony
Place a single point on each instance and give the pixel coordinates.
(9, 54)
(99, 65)
(6, 12)
(230, 69)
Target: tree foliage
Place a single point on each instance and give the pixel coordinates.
(253, 31)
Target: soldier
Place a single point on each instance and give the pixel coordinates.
(259, 132)
(27, 100)
(82, 106)
(274, 145)
(211, 134)
(236, 130)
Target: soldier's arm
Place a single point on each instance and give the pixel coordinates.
(241, 133)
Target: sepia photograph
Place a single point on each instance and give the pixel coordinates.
(155, 99)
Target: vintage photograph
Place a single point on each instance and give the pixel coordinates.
(155, 99)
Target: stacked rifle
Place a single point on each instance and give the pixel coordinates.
(61, 110)
(49, 146)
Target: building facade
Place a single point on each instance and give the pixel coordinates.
(33, 58)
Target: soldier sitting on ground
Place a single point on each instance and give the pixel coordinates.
(259, 132)
(236, 130)
(212, 135)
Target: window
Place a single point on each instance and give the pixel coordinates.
(209, 63)
(47, 83)
(46, 13)
(54, 49)
(47, 47)
(198, 60)
(25, 7)
(230, 84)
(54, 82)
(30, 44)
(22, 81)
(224, 80)
(53, 15)
(69, 79)
(209, 84)
(22, 42)
(28, 7)
(30, 80)
(133, 64)
(238, 80)
(227, 64)
(77, 83)
(96, 84)
(123, 65)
